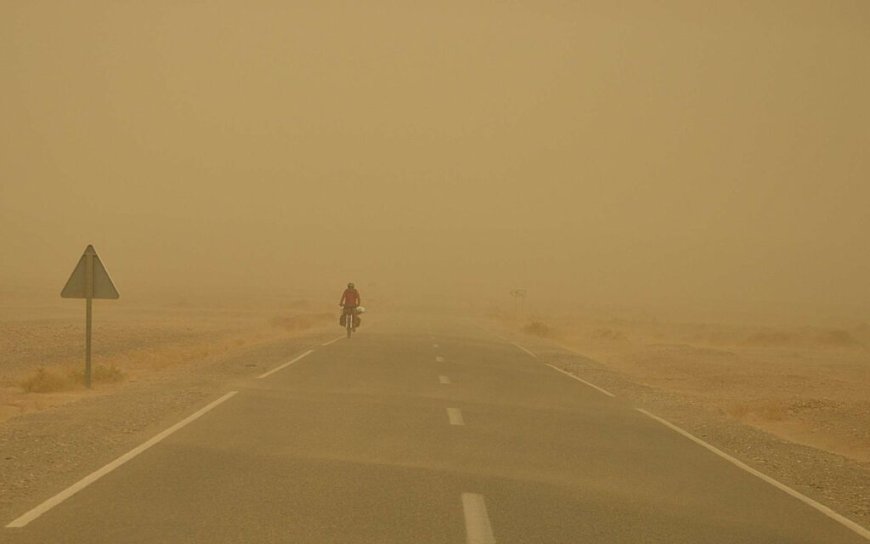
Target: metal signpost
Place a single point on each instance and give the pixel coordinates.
(89, 280)
(519, 301)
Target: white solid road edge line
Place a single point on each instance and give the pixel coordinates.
(285, 365)
(526, 350)
(581, 380)
(781, 486)
(478, 529)
(332, 341)
(93, 477)
(455, 416)
(493, 334)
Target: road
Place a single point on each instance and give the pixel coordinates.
(423, 432)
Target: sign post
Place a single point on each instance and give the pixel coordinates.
(89, 280)
(519, 301)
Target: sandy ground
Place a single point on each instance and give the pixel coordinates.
(807, 385)
(43, 348)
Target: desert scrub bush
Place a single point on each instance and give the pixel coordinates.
(99, 374)
(109, 374)
(538, 329)
(836, 338)
(45, 381)
(610, 335)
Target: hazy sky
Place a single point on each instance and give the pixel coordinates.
(625, 152)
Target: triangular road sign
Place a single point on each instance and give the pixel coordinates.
(77, 285)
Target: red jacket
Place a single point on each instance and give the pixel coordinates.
(350, 298)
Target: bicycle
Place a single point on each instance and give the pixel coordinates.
(350, 319)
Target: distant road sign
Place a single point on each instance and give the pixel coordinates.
(89, 280)
(100, 284)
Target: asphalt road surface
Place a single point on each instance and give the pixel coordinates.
(423, 432)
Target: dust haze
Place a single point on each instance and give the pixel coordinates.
(682, 188)
(682, 157)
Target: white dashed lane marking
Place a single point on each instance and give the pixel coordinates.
(478, 529)
(455, 416)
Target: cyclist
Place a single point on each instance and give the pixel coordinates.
(350, 301)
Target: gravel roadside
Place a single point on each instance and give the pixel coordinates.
(44, 452)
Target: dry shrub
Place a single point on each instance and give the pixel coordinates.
(771, 339)
(811, 404)
(609, 335)
(46, 381)
(537, 328)
(99, 374)
(107, 374)
(836, 338)
(828, 338)
(773, 411)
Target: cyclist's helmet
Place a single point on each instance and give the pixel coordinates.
(350, 285)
